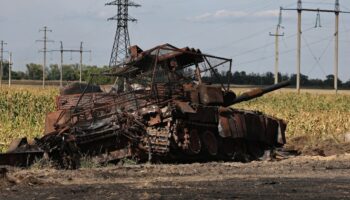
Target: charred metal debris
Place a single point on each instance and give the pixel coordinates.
(159, 109)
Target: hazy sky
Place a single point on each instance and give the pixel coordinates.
(237, 29)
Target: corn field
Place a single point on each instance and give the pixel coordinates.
(22, 112)
(320, 116)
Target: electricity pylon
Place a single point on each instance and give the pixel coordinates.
(122, 38)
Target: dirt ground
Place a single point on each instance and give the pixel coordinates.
(302, 177)
(328, 147)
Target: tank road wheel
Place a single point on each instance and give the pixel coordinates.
(210, 143)
(255, 149)
(61, 149)
(240, 151)
(227, 147)
(69, 155)
(194, 146)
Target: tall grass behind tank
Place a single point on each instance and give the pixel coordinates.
(23, 111)
(318, 116)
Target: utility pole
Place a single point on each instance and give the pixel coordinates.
(81, 51)
(336, 46)
(299, 46)
(81, 59)
(2, 43)
(10, 68)
(277, 35)
(45, 41)
(61, 67)
(122, 39)
(336, 11)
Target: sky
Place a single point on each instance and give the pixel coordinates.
(237, 29)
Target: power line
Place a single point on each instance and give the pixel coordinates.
(324, 52)
(317, 3)
(81, 51)
(220, 27)
(345, 7)
(343, 23)
(271, 43)
(227, 44)
(329, 38)
(313, 55)
(266, 45)
(282, 52)
(336, 11)
(239, 18)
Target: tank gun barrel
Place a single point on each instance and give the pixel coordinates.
(252, 94)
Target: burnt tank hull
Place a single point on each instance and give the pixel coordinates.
(161, 134)
(159, 109)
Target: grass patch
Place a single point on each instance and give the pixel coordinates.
(42, 163)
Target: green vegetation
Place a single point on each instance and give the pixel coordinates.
(71, 72)
(243, 78)
(23, 111)
(320, 116)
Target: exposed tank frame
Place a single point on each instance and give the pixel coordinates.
(159, 109)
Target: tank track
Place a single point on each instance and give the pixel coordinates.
(158, 139)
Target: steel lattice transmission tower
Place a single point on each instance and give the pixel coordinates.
(122, 38)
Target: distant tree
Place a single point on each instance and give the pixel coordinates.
(268, 78)
(329, 82)
(283, 77)
(316, 83)
(88, 70)
(5, 71)
(236, 78)
(304, 80)
(70, 72)
(53, 73)
(34, 71)
(19, 75)
(229, 76)
(346, 84)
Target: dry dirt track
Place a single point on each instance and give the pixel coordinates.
(294, 178)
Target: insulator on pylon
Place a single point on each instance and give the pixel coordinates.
(318, 20)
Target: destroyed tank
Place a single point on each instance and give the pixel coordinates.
(160, 109)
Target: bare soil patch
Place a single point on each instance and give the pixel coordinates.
(328, 147)
(303, 177)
